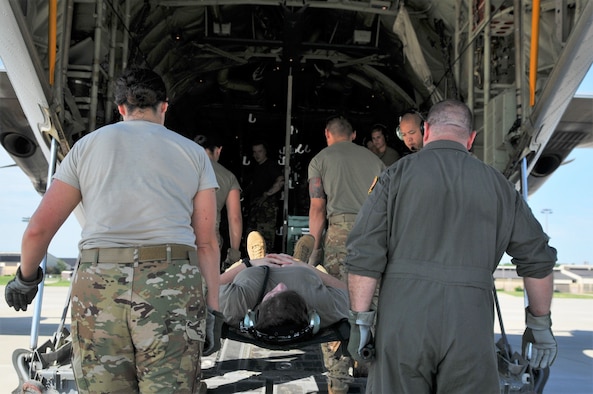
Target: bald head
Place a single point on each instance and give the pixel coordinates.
(452, 120)
(449, 114)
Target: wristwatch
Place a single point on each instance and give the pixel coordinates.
(245, 260)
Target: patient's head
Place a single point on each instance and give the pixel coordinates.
(283, 309)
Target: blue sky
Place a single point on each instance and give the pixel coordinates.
(568, 194)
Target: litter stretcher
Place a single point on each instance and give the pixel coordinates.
(47, 368)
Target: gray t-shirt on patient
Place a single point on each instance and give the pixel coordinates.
(242, 294)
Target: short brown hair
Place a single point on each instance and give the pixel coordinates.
(286, 309)
(339, 125)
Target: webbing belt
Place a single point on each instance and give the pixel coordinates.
(136, 254)
(342, 218)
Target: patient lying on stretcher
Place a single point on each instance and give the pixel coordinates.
(280, 298)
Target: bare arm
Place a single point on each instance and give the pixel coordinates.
(317, 210)
(229, 275)
(204, 225)
(233, 209)
(327, 279)
(276, 186)
(361, 290)
(55, 207)
(539, 294)
(271, 260)
(278, 183)
(277, 261)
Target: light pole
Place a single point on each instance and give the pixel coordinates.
(546, 212)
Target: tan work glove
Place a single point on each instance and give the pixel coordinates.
(316, 257)
(539, 335)
(361, 345)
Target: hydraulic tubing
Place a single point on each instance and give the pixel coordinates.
(533, 51)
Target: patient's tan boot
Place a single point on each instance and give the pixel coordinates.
(304, 247)
(256, 245)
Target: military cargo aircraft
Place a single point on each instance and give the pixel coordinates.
(275, 70)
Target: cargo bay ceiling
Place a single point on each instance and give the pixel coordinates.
(250, 70)
(229, 62)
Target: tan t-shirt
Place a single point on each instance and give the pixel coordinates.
(347, 171)
(138, 181)
(227, 181)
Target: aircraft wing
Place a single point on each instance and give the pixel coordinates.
(276, 70)
(575, 130)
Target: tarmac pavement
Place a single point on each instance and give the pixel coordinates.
(244, 368)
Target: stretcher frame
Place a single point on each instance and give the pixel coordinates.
(339, 331)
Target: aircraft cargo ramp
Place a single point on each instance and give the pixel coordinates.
(244, 368)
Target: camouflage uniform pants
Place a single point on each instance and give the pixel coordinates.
(262, 218)
(334, 251)
(138, 327)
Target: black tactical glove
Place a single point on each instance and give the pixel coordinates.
(19, 293)
(543, 344)
(214, 320)
(360, 343)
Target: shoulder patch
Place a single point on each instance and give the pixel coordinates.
(373, 184)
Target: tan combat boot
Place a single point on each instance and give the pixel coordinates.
(256, 245)
(304, 247)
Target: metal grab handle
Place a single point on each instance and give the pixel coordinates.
(39, 299)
